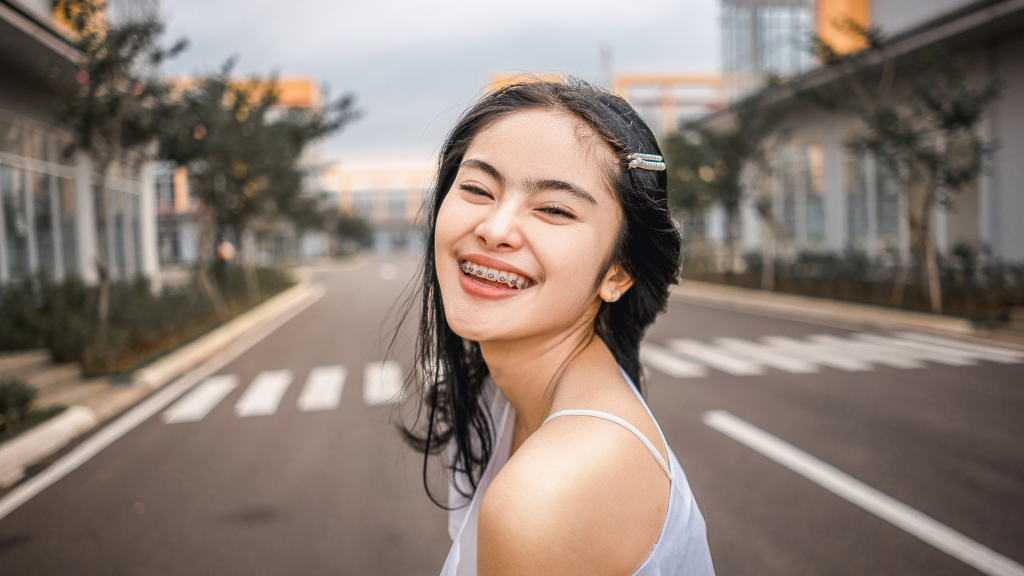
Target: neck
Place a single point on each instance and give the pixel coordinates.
(527, 371)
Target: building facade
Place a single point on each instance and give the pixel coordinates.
(390, 198)
(47, 203)
(828, 199)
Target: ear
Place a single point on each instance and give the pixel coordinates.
(615, 283)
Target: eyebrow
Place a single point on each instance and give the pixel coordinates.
(533, 185)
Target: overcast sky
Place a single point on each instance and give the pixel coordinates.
(414, 66)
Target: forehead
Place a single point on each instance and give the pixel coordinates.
(546, 144)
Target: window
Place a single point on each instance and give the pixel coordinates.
(858, 223)
(43, 216)
(16, 224)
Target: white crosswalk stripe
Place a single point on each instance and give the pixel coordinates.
(264, 394)
(382, 383)
(767, 356)
(666, 362)
(867, 352)
(907, 346)
(323, 388)
(195, 405)
(1014, 354)
(819, 354)
(860, 352)
(711, 356)
(958, 351)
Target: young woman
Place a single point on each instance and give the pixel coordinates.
(551, 250)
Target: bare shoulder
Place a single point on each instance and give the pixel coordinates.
(581, 496)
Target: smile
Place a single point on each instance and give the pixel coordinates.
(494, 277)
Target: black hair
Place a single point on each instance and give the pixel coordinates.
(647, 248)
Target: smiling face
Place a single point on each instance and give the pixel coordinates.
(527, 228)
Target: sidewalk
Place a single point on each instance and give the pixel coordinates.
(850, 315)
(100, 400)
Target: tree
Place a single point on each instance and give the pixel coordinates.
(923, 131)
(113, 106)
(706, 165)
(244, 153)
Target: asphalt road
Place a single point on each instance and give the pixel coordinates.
(336, 491)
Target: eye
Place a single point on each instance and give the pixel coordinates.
(556, 210)
(475, 190)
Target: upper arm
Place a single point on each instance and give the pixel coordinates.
(568, 507)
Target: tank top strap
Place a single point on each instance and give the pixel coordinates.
(623, 423)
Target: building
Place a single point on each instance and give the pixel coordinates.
(831, 200)
(48, 208)
(391, 198)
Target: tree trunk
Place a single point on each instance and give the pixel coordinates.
(931, 267)
(206, 247)
(732, 232)
(102, 256)
(768, 259)
(900, 285)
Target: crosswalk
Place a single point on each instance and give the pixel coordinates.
(322, 390)
(685, 358)
(680, 358)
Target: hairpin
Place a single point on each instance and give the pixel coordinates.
(646, 161)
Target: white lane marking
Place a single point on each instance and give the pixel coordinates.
(868, 352)
(666, 362)
(195, 405)
(382, 383)
(714, 357)
(323, 388)
(264, 394)
(767, 356)
(818, 353)
(961, 344)
(856, 492)
(146, 409)
(908, 346)
(959, 352)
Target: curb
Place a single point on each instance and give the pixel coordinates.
(819, 310)
(46, 439)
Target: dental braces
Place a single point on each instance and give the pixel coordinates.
(494, 275)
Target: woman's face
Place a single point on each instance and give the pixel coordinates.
(526, 228)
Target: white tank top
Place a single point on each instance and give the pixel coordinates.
(682, 547)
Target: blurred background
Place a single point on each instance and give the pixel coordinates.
(210, 209)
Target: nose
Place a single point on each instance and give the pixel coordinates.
(501, 229)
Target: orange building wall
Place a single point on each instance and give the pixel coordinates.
(831, 16)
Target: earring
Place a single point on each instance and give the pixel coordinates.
(614, 297)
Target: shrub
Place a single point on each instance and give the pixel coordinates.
(16, 398)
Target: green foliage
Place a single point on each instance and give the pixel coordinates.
(142, 324)
(243, 151)
(353, 229)
(705, 166)
(16, 398)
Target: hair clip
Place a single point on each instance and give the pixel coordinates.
(646, 161)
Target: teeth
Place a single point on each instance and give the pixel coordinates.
(494, 274)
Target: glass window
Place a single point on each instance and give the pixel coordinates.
(43, 215)
(362, 204)
(10, 138)
(857, 222)
(814, 173)
(397, 205)
(69, 233)
(16, 224)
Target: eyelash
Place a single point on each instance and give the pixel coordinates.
(552, 209)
